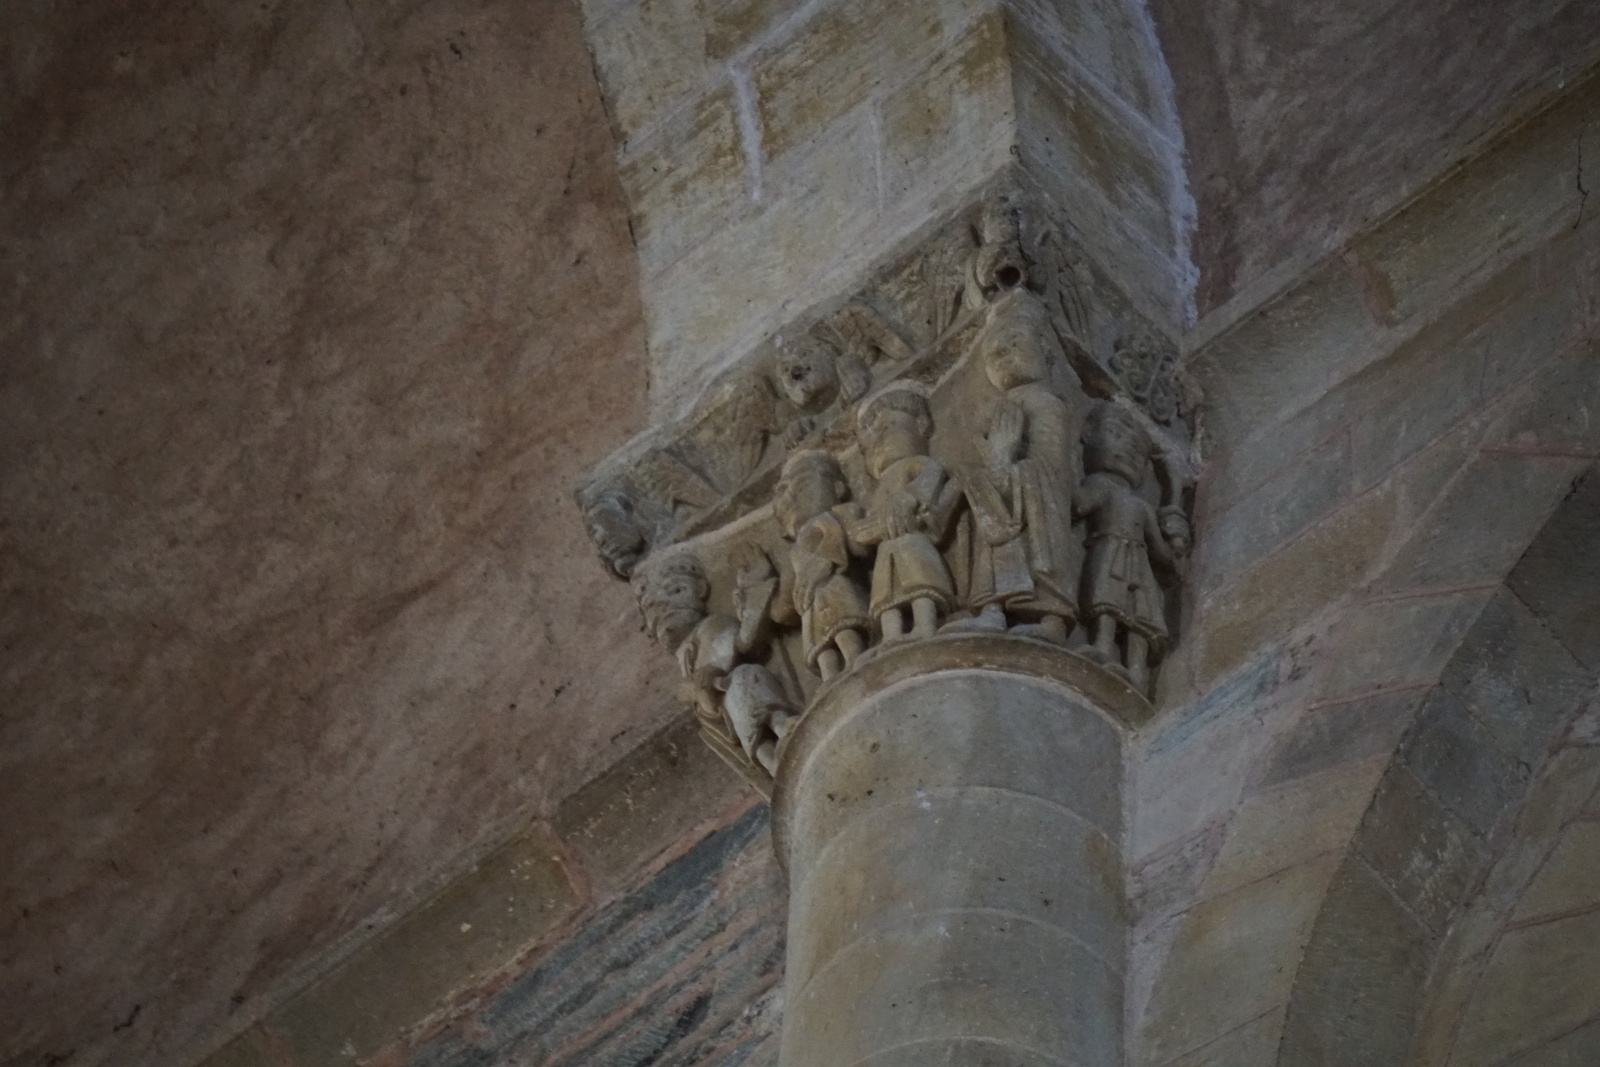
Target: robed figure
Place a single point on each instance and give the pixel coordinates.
(1027, 560)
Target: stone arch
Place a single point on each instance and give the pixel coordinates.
(1493, 784)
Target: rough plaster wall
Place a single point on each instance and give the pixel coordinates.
(310, 315)
(1305, 122)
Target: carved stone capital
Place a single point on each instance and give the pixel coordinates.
(987, 439)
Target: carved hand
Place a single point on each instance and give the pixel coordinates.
(1005, 434)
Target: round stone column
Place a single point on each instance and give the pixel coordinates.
(950, 816)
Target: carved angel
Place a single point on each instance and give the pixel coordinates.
(815, 374)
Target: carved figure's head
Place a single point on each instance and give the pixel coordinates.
(893, 424)
(811, 484)
(614, 527)
(1116, 443)
(808, 373)
(1015, 343)
(998, 265)
(672, 597)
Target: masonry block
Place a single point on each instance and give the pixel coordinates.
(1113, 41)
(1570, 879)
(686, 179)
(1279, 361)
(1554, 575)
(1294, 583)
(1388, 644)
(1233, 960)
(481, 922)
(1484, 522)
(1345, 731)
(1273, 512)
(953, 124)
(681, 970)
(651, 802)
(1516, 193)
(650, 55)
(1367, 961)
(1543, 981)
(1514, 677)
(1424, 854)
(1560, 414)
(742, 282)
(846, 52)
(1294, 822)
(1255, 1044)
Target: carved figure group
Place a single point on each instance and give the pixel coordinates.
(1036, 511)
(717, 653)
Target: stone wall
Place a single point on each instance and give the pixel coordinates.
(1387, 438)
(301, 355)
(774, 151)
(642, 924)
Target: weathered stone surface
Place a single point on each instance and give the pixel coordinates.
(1347, 731)
(1281, 359)
(1233, 960)
(1387, 644)
(1292, 584)
(1367, 961)
(1255, 1044)
(1304, 126)
(675, 974)
(650, 54)
(652, 800)
(1484, 522)
(740, 283)
(950, 122)
(839, 55)
(1188, 771)
(1561, 414)
(686, 180)
(1121, 177)
(1273, 513)
(249, 1049)
(480, 923)
(1513, 676)
(311, 314)
(1460, 762)
(1541, 982)
(1466, 358)
(1579, 1048)
(1424, 854)
(1514, 194)
(1558, 568)
(1570, 878)
(1292, 823)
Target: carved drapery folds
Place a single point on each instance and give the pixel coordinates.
(989, 438)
